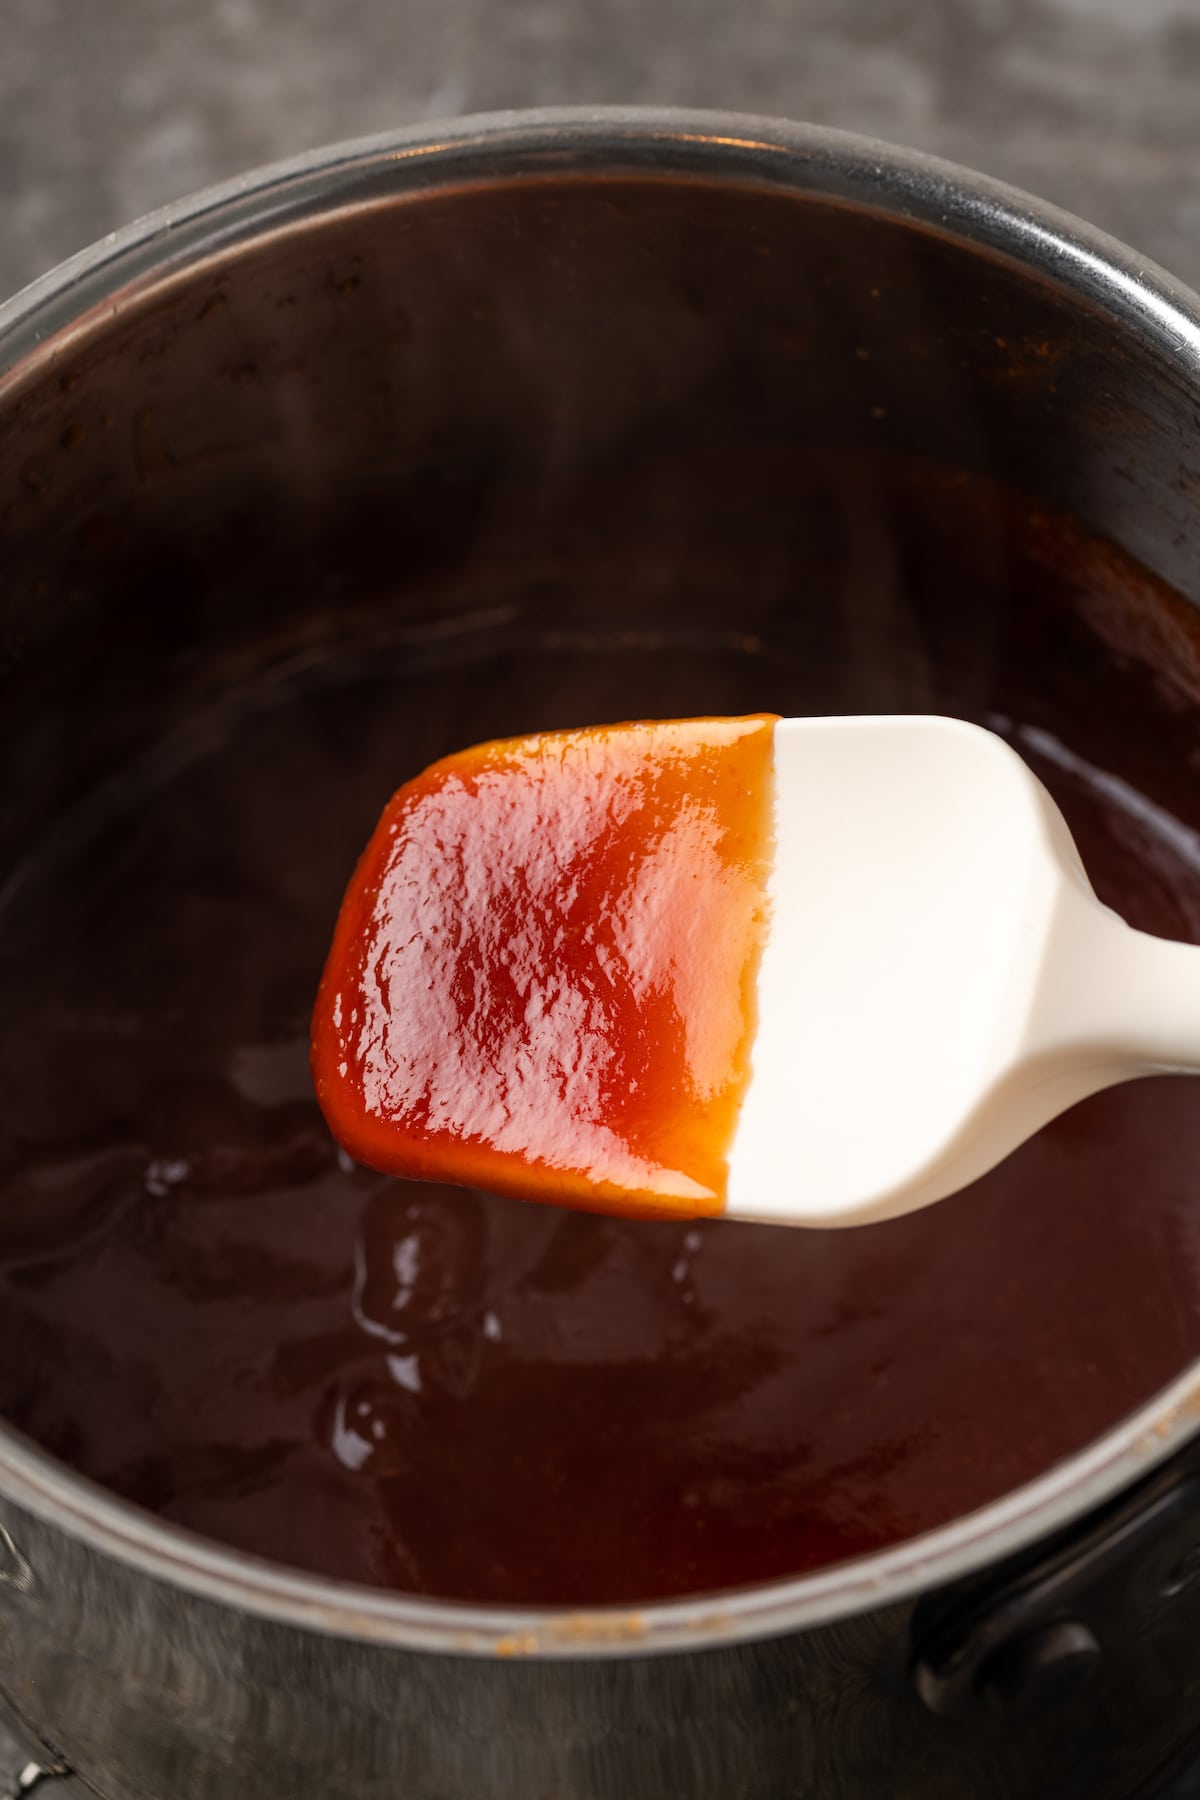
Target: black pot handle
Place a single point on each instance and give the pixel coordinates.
(1025, 1634)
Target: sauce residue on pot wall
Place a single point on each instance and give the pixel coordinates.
(208, 1309)
(542, 976)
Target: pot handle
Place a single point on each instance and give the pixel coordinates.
(1026, 1634)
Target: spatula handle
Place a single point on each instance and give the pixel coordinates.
(1116, 999)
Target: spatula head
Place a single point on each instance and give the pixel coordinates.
(782, 968)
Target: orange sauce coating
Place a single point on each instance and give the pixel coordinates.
(542, 976)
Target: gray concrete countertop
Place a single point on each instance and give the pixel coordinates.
(107, 110)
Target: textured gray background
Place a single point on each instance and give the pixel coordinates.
(110, 107)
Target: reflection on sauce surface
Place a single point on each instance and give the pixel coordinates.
(207, 1308)
(542, 976)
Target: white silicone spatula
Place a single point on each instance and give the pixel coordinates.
(938, 980)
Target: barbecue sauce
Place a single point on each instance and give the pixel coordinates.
(542, 977)
(210, 1309)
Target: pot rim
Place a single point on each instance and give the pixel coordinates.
(42, 323)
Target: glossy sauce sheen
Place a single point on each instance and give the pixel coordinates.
(208, 1308)
(542, 976)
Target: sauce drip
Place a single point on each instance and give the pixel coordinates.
(542, 976)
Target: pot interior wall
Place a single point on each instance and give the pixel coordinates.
(587, 400)
(517, 456)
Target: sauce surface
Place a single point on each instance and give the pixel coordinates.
(209, 1309)
(542, 975)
